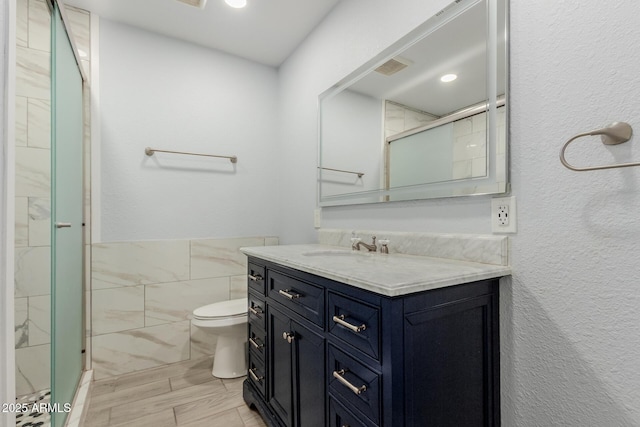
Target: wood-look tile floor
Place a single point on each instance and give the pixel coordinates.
(183, 394)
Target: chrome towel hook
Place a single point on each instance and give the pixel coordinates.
(615, 133)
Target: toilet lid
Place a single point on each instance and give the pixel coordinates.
(231, 308)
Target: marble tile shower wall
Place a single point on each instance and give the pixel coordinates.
(470, 146)
(143, 294)
(398, 118)
(33, 187)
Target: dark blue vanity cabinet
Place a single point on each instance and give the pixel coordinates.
(322, 353)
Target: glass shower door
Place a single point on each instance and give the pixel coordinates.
(66, 207)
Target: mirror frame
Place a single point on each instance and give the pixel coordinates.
(454, 188)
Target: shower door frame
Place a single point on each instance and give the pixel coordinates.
(53, 5)
(7, 207)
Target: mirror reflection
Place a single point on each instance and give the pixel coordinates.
(424, 119)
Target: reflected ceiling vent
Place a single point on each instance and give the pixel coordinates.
(196, 3)
(393, 65)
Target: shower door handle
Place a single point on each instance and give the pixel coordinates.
(63, 225)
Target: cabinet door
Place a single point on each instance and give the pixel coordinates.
(451, 365)
(296, 362)
(280, 372)
(309, 376)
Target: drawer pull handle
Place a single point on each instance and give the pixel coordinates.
(339, 376)
(286, 293)
(340, 320)
(256, 278)
(288, 336)
(255, 344)
(256, 311)
(254, 376)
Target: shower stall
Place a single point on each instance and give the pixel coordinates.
(50, 321)
(67, 322)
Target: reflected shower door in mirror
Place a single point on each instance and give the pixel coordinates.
(426, 118)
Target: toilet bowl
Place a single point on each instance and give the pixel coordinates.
(227, 319)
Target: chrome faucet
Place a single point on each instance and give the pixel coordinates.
(356, 243)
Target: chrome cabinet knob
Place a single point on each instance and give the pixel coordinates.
(288, 336)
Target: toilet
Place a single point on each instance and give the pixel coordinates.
(227, 319)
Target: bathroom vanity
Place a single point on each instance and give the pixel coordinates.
(345, 338)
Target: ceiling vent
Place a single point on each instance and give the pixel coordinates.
(196, 3)
(393, 65)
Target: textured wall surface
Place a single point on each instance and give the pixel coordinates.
(163, 93)
(570, 318)
(573, 339)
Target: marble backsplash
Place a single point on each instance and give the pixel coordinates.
(143, 294)
(486, 249)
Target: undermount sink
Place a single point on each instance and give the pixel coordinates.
(335, 253)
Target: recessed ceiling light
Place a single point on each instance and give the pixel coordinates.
(236, 3)
(448, 78)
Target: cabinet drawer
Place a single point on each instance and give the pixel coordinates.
(355, 323)
(341, 417)
(257, 374)
(354, 384)
(256, 278)
(257, 341)
(302, 297)
(257, 311)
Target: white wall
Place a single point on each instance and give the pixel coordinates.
(163, 93)
(571, 323)
(351, 125)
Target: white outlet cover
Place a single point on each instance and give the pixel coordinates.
(500, 206)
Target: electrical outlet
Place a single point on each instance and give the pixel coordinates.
(503, 215)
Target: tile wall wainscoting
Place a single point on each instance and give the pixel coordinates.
(33, 187)
(143, 294)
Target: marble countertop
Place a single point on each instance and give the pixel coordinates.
(385, 274)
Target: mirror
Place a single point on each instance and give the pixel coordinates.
(395, 129)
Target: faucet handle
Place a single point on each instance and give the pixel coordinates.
(384, 249)
(354, 242)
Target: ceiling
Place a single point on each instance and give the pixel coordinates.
(459, 47)
(266, 31)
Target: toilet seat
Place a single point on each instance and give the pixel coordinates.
(231, 308)
(220, 314)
